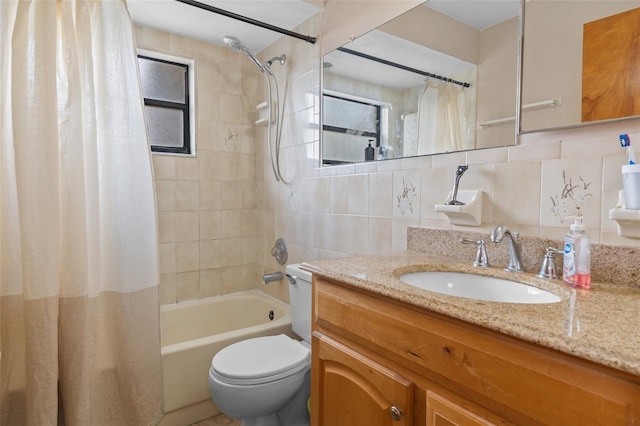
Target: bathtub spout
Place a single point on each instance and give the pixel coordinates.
(271, 277)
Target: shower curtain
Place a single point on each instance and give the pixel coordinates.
(79, 327)
(445, 121)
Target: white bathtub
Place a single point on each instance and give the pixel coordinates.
(193, 332)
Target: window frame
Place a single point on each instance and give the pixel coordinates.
(377, 109)
(188, 107)
(382, 112)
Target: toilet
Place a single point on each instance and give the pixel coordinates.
(265, 381)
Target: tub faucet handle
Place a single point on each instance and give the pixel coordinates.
(279, 251)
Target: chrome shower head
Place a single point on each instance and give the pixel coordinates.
(234, 43)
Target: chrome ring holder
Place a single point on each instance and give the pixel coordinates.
(279, 251)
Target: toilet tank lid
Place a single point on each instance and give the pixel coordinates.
(297, 270)
(260, 357)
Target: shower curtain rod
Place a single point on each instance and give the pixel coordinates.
(403, 67)
(248, 20)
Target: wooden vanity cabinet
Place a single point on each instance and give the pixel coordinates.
(377, 361)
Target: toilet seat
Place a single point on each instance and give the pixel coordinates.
(260, 360)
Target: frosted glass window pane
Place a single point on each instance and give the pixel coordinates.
(162, 81)
(341, 147)
(350, 115)
(165, 126)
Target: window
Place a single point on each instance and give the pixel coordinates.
(167, 91)
(349, 126)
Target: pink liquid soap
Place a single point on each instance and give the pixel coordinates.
(582, 281)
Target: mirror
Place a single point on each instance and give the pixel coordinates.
(556, 42)
(423, 83)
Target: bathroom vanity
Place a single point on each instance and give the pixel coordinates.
(386, 353)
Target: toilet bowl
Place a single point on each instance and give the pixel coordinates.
(265, 381)
(255, 378)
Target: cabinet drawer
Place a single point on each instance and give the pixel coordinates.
(503, 374)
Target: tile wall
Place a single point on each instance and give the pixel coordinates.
(208, 204)
(530, 187)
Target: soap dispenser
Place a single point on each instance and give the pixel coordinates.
(369, 152)
(576, 270)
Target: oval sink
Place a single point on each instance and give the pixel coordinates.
(478, 287)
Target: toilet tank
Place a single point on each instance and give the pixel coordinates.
(300, 299)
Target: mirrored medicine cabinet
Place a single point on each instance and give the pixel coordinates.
(420, 84)
(389, 87)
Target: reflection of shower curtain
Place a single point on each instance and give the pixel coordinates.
(79, 327)
(409, 134)
(444, 122)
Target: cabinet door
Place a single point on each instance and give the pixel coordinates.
(444, 412)
(352, 390)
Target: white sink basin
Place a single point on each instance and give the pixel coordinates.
(478, 287)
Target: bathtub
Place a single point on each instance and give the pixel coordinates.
(193, 332)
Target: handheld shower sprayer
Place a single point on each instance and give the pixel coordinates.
(235, 44)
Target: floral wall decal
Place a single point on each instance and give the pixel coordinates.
(407, 198)
(231, 141)
(293, 197)
(571, 200)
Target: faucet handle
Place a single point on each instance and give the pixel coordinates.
(481, 260)
(548, 267)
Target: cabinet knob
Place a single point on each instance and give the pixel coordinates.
(396, 414)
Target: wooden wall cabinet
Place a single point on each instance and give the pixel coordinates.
(610, 66)
(377, 361)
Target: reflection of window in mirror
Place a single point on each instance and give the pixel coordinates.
(349, 125)
(448, 78)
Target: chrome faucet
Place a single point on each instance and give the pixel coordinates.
(513, 246)
(271, 277)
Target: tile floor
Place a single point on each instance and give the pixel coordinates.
(219, 420)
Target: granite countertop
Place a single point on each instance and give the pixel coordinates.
(601, 324)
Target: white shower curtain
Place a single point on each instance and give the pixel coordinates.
(453, 129)
(446, 119)
(79, 333)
